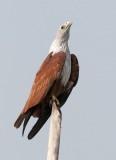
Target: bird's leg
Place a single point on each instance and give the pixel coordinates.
(54, 99)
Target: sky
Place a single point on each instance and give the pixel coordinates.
(27, 29)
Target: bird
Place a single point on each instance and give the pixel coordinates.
(55, 79)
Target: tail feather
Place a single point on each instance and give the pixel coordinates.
(39, 124)
(27, 117)
(19, 120)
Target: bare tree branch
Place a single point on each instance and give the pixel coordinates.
(54, 135)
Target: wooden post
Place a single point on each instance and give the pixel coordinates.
(54, 135)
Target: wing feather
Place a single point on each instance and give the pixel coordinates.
(45, 78)
(49, 72)
(62, 98)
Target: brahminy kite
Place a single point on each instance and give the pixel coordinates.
(56, 77)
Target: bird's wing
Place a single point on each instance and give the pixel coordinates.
(62, 98)
(49, 72)
(72, 80)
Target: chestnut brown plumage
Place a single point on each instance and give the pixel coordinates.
(56, 77)
(41, 108)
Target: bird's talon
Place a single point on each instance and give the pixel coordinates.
(54, 99)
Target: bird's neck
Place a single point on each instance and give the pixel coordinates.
(59, 45)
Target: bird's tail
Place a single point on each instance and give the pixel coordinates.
(23, 117)
(39, 124)
(26, 119)
(19, 120)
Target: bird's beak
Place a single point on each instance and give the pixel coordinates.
(68, 24)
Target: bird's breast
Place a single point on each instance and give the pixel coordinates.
(66, 70)
(56, 47)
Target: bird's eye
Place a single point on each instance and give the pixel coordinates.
(62, 27)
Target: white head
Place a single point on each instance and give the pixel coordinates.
(64, 32)
(62, 36)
